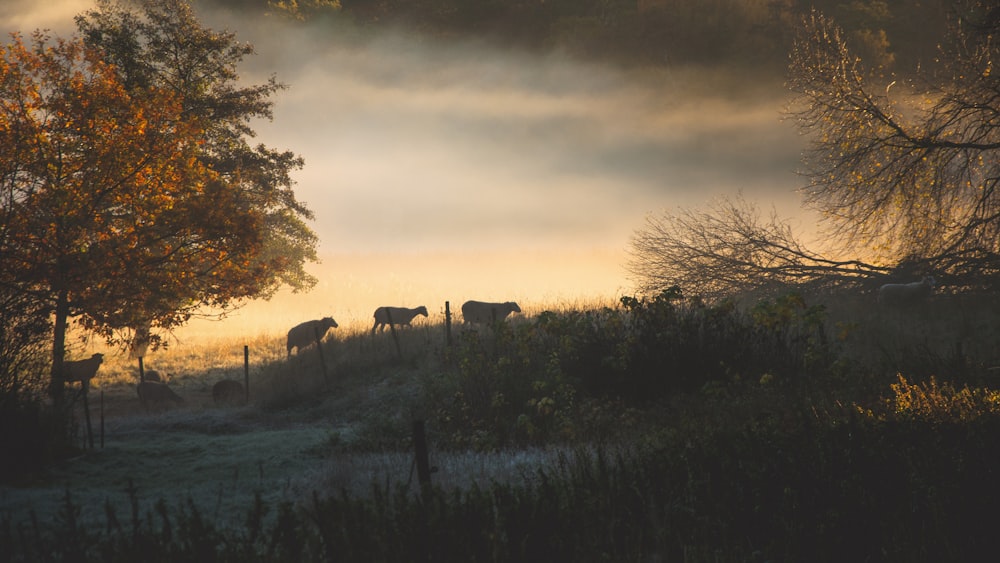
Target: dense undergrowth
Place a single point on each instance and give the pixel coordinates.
(782, 431)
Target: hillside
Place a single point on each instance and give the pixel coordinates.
(820, 429)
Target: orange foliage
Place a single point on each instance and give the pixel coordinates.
(109, 211)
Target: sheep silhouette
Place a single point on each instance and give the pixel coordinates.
(154, 395)
(153, 375)
(482, 312)
(385, 316)
(82, 370)
(902, 294)
(307, 333)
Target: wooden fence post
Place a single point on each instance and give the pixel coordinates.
(102, 419)
(447, 323)
(86, 411)
(246, 374)
(420, 447)
(395, 337)
(322, 358)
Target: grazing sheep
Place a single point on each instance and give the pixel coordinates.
(308, 332)
(82, 370)
(906, 293)
(228, 392)
(154, 395)
(152, 375)
(479, 312)
(398, 315)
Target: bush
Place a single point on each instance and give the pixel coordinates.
(41, 435)
(34, 436)
(569, 375)
(651, 349)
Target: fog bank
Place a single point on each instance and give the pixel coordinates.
(466, 172)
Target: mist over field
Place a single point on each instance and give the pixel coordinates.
(453, 170)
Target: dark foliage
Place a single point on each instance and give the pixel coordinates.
(31, 435)
(778, 454)
(575, 374)
(795, 487)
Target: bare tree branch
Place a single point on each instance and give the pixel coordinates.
(729, 248)
(912, 174)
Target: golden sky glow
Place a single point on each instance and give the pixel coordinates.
(453, 171)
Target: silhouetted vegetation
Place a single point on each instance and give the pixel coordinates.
(901, 170)
(797, 427)
(24, 362)
(701, 432)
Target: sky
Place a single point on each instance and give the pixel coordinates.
(454, 171)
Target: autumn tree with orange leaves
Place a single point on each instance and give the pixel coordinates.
(111, 204)
(104, 198)
(161, 44)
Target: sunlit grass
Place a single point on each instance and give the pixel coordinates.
(183, 362)
(812, 443)
(186, 357)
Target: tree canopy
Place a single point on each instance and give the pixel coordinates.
(906, 168)
(130, 192)
(161, 43)
(902, 170)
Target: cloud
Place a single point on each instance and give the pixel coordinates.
(415, 144)
(492, 172)
(25, 16)
(412, 143)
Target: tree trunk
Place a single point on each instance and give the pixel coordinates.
(57, 386)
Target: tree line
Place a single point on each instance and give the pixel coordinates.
(902, 168)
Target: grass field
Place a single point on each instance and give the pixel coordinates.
(769, 431)
(300, 433)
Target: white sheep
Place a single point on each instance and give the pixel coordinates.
(397, 315)
(154, 395)
(906, 293)
(480, 312)
(82, 370)
(308, 332)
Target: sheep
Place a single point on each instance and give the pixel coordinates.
(82, 370)
(154, 395)
(228, 392)
(906, 293)
(308, 332)
(397, 316)
(152, 375)
(479, 312)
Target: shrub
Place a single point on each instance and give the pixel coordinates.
(940, 402)
(41, 435)
(544, 379)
